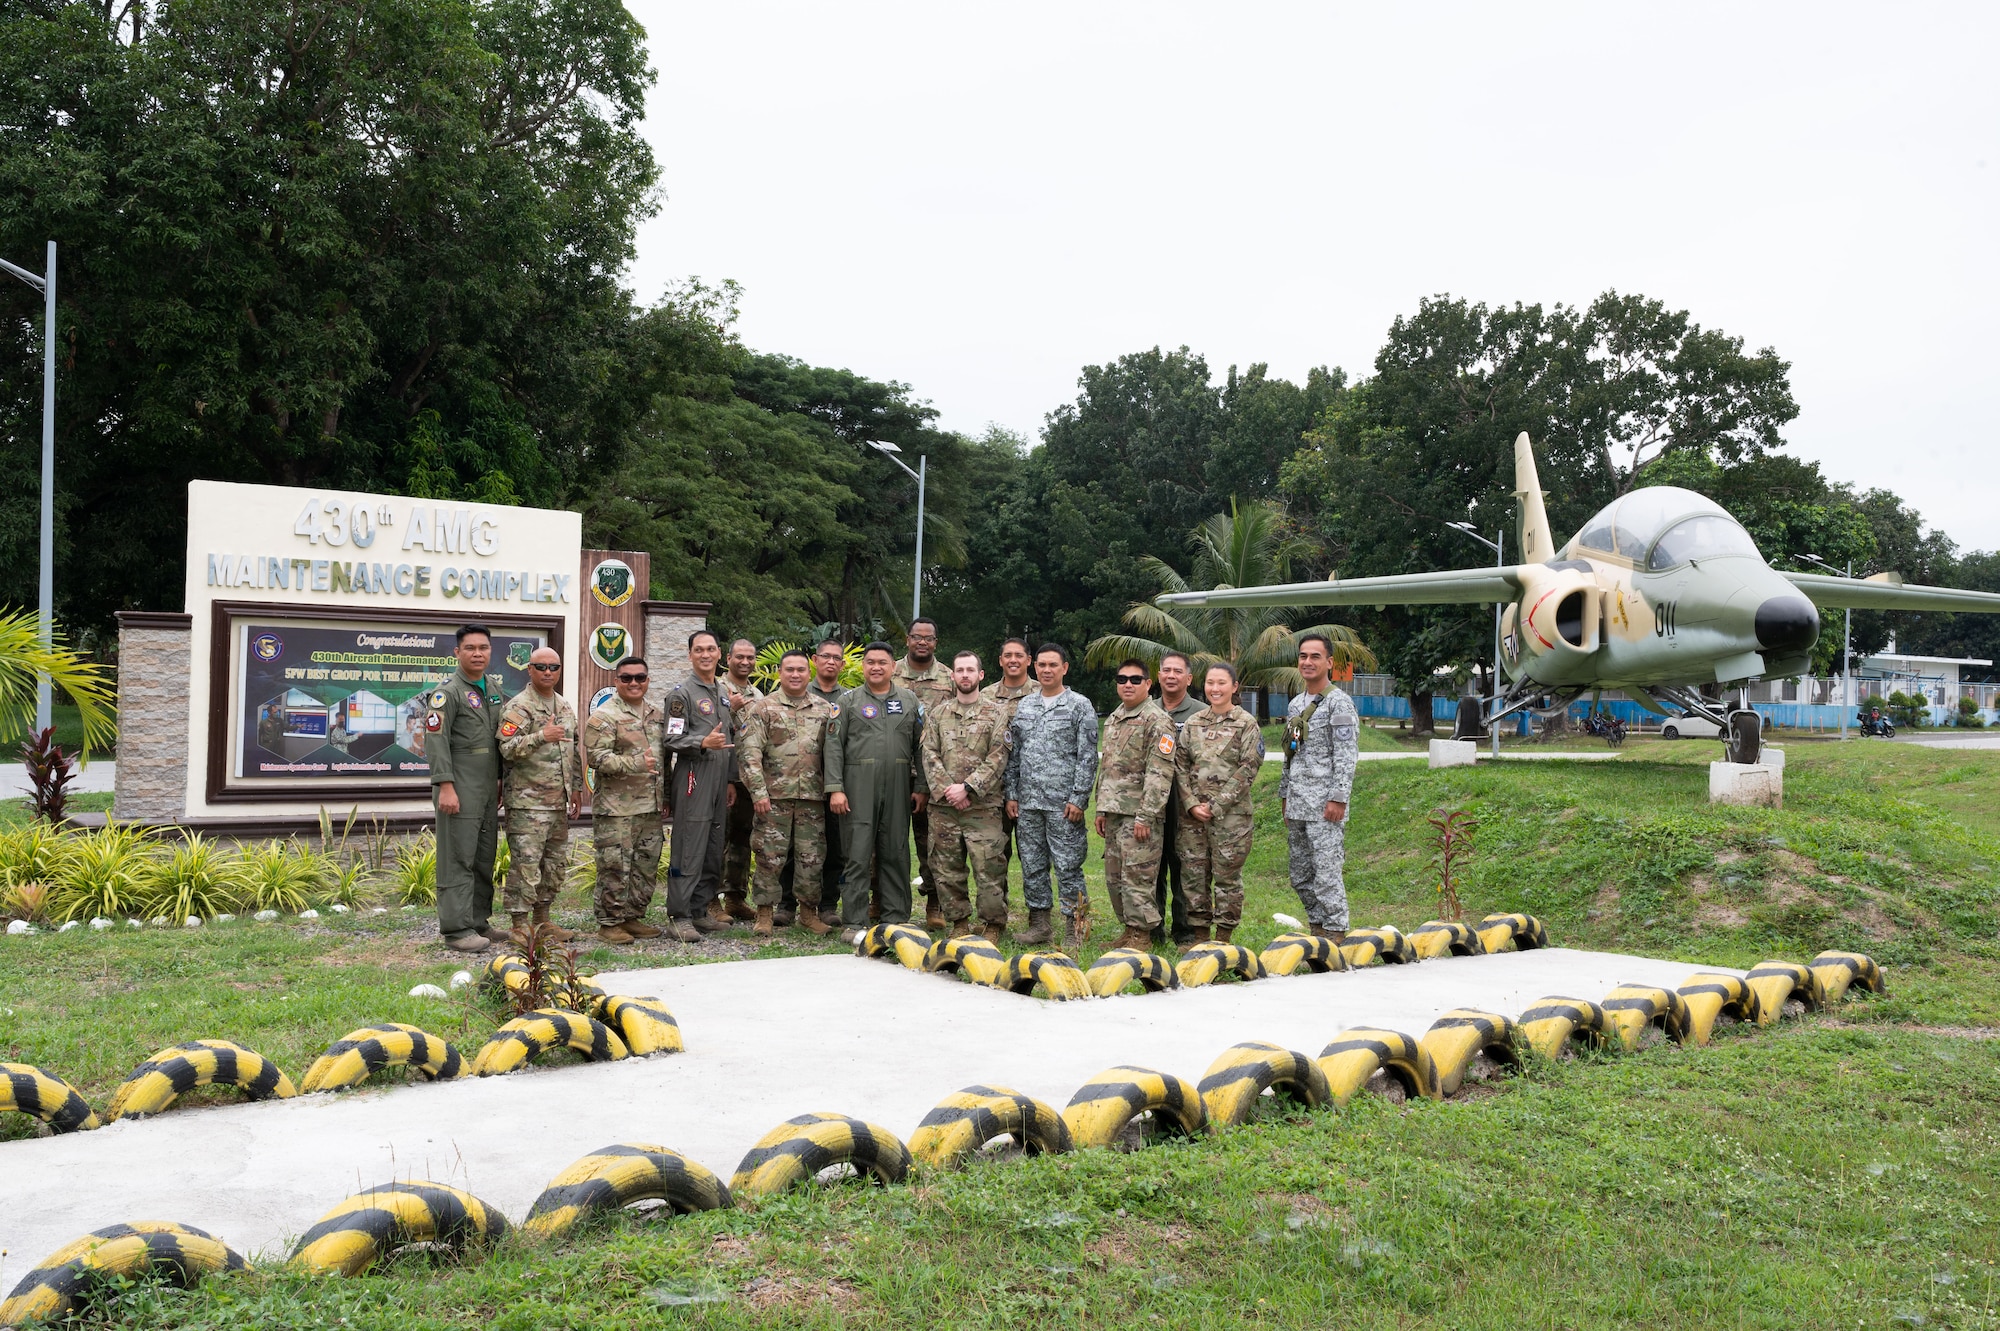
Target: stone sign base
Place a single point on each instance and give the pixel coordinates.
(1454, 752)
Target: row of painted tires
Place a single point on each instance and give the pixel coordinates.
(1059, 977)
(356, 1234)
(602, 1027)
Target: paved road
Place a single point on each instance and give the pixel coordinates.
(96, 777)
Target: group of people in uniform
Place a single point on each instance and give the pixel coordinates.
(798, 806)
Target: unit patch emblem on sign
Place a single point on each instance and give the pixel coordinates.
(1166, 745)
(612, 583)
(518, 654)
(610, 644)
(705, 706)
(870, 711)
(602, 696)
(894, 706)
(267, 646)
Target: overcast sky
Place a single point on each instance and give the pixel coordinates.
(980, 201)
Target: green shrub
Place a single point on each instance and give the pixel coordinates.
(31, 860)
(197, 878)
(415, 877)
(1912, 711)
(282, 876)
(346, 884)
(105, 873)
(1968, 715)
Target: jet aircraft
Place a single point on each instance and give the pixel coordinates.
(1660, 595)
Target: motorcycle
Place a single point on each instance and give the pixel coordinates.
(1878, 725)
(1605, 727)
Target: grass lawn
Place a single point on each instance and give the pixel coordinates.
(1836, 1170)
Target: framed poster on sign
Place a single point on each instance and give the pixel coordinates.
(325, 705)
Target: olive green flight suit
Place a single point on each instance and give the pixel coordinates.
(872, 756)
(461, 743)
(698, 788)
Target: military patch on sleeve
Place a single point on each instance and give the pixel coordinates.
(894, 707)
(433, 722)
(678, 707)
(1166, 745)
(705, 707)
(508, 730)
(473, 699)
(437, 697)
(836, 708)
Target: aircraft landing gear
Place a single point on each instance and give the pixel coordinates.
(1744, 740)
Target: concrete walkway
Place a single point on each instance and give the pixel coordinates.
(766, 1040)
(99, 776)
(1484, 755)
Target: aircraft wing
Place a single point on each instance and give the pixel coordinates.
(1459, 586)
(1836, 593)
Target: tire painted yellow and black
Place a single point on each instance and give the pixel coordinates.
(359, 1055)
(160, 1080)
(1459, 1036)
(797, 1150)
(526, 1038)
(1709, 998)
(1288, 953)
(1113, 970)
(1205, 963)
(32, 1090)
(1060, 978)
(1549, 1026)
(508, 972)
(1777, 983)
(1446, 938)
(904, 943)
(1236, 1080)
(1102, 1106)
(644, 1024)
(179, 1254)
(1631, 1008)
(1512, 933)
(1359, 1054)
(966, 1120)
(1366, 947)
(370, 1225)
(1834, 973)
(613, 1177)
(971, 956)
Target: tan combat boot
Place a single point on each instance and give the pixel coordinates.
(1038, 928)
(550, 927)
(735, 907)
(1198, 934)
(640, 929)
(1222, 932)
(762, 928)
(814, 922)
(933, 915)
(683, 931)
(1137, 937)
(960, 928)
(612, 933)
(717, 917)
(991, 931)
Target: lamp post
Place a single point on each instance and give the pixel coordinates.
(46, 284)
(889, 451)
(1498, 547)
(1846, 646)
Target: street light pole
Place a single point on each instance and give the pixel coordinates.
(44, 701)
(889, 451)
(1499, 548)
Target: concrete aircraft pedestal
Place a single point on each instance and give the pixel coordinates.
(1454, 753)
(1748, 783)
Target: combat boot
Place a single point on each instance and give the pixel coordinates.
(933, 916)
(764, 922)
(1198, 934)
(683, 931)
(714, 919)
(639, 929)
(1338, 936)
(784, 917)
(612, 933)
(493, 935)
(1137, 937)
(519, 920)
(550, 927)
(959, 928)
(734, 907)
(1038, 927)
(991, 931)
(470, 943)
(813, 920)
(1222, 932)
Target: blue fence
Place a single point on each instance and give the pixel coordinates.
(1788, 715)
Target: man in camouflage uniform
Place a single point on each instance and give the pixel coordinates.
(924, 675)
(875, 777)
(779, 749)
(542, 790)
(701, 737)
(1013, 685)
(829, 660)
(1221, 752)
(1135, 771)
(460, 726)
(1051, 766)
(736, 852)
(965, 765)
(622, 742)
(1322, 749)
(1176, 699)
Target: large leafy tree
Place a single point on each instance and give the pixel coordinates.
(364, 243)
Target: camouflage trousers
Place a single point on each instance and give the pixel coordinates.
(1319, 853)
(974, 838)
(1045, 840)
(1132, 869)
(1212, 856)
(794, 833)
(538, 858)
(736, 856)
(628, 864)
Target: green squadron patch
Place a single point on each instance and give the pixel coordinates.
(612, 583)
(610, 644)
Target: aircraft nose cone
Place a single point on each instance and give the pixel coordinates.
(1787, 624)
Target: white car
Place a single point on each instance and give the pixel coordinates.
(1690, 727)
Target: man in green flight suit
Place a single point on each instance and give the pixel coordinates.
(874, 779)
(461, 730)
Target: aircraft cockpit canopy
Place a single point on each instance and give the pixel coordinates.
(1661, 526)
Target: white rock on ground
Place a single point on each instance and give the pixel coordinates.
(460, 979)
(428, 991)
(19, 927)
(100, 923)
(265, 916)
(308, 914)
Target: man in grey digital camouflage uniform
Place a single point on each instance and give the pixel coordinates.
(1135, 774)
(780, 742)
(1051, 766)
(965, 765)
(622, 741)
(1221, 753)
(1322, 746)
(542, 789)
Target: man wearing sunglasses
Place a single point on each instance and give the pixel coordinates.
(622, 739)
(1135, 770)
(542, 789)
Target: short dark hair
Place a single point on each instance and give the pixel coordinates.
(834, 643)
(704, 633)
(976, 658)
(631, 660)
(467, 630)
(1223, 666)
(1055, 647)
(1185, 659)
(922, 619)
(742, 642)
(1131, 661)
(1005, 643)
(1319, 638)
(790, 652)
(879, 646)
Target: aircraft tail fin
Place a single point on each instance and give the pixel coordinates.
(1538, 544)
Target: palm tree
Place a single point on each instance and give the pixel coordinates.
(1245, 547)
(24, 657)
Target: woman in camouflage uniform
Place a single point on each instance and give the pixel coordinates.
(1221, 752)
